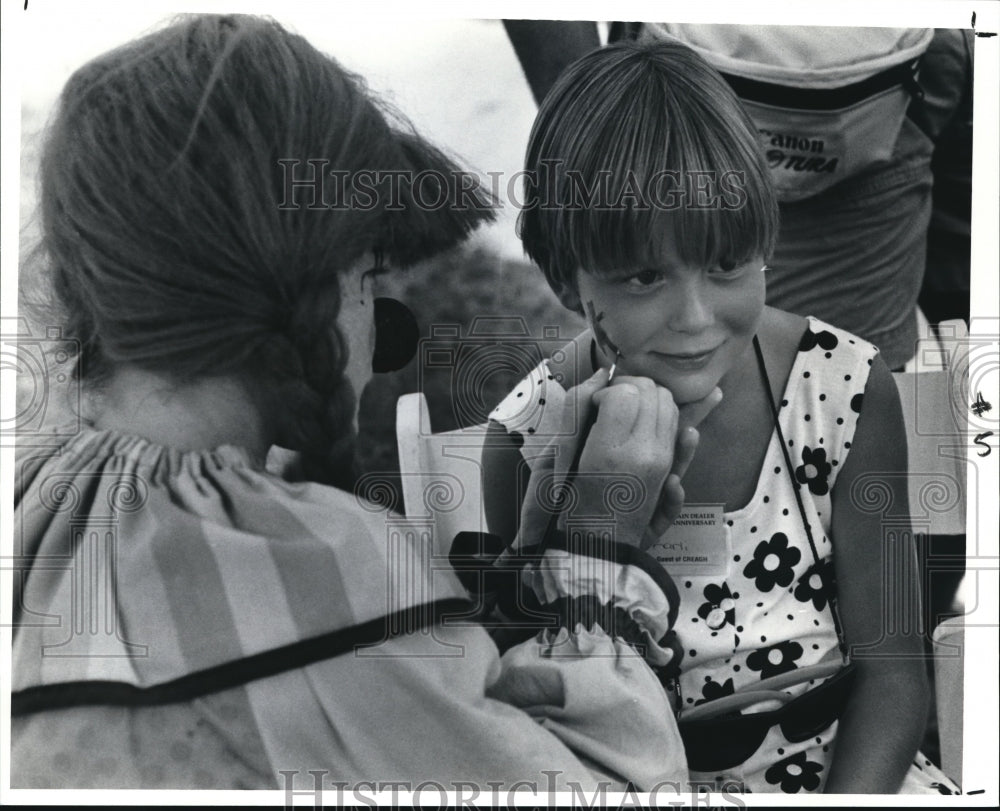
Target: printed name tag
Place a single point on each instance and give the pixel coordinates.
(696, 543)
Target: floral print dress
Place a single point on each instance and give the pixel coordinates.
(765, 609)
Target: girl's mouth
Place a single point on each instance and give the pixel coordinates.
(686, 361)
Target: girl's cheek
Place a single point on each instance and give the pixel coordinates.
(603, 323)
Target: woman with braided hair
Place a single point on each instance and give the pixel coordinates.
(184, 616)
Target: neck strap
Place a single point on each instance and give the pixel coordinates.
(797, 488)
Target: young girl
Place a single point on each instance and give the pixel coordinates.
(185, 618)
(651, 213)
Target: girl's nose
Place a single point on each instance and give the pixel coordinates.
(690, 306)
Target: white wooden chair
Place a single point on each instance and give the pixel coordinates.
(949, 675)
(933, 395)
(441, 473)
(935, 398)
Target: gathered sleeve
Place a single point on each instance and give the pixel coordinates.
(239, 589)
(444, 707)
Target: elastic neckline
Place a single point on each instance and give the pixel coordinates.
(145, 454)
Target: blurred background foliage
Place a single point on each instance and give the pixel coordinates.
(484, 323)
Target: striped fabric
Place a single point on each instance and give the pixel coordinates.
(140, 563)
(174, 612)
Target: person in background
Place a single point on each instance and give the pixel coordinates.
(853, 254)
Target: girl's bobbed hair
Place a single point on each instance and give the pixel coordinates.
(179, 233)
(637, 143)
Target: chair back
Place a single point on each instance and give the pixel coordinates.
(441, 473)
(934, 394)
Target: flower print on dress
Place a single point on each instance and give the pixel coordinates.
(814, 471)
(822, 339)
(816, 585)
(772, 563)
(794, 774)
(775, 660)
(713, 690)
(719, 607)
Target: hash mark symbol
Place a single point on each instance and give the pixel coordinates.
(980, 405)
(606, 344)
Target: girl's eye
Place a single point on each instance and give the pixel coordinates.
(728, 268)
(645, 278)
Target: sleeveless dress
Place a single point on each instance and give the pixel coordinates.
(764, 611)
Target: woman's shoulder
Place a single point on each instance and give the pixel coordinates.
(208, 535)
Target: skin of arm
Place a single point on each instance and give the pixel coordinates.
(883, 723)
(505, 481)
(546, 47)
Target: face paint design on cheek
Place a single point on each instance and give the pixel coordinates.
(603, 339)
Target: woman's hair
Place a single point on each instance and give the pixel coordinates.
(635, 143)
(180, 232)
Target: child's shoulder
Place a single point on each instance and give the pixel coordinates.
(788, 334)
(808, 359)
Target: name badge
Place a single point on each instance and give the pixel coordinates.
(696, 543)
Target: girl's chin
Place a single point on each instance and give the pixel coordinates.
(685, 398)
(686, 391)
(686, 386)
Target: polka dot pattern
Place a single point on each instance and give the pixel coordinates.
(768, 612)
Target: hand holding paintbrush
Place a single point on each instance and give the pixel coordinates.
(622, 430)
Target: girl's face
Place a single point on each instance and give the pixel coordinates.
(683, 327)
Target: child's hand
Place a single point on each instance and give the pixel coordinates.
(672, 497)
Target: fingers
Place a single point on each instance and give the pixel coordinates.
(597, 381)
(670, 506)
(575, 420)
(622, 411)
(673, 501)
(641, 407)
(691, 414)
(687, 444)
(666, 417)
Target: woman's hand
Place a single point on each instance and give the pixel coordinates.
(631, 449)
(637, 437)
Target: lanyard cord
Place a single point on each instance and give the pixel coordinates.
(797, 487)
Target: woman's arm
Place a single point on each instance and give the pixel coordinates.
(878, 598)
(442, 706)
(576, 703)
(546, 47)
(505, 482)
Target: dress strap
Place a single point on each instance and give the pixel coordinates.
(796, 488)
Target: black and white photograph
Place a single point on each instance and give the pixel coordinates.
(492, 404)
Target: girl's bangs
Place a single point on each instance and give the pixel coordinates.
(655, 155)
